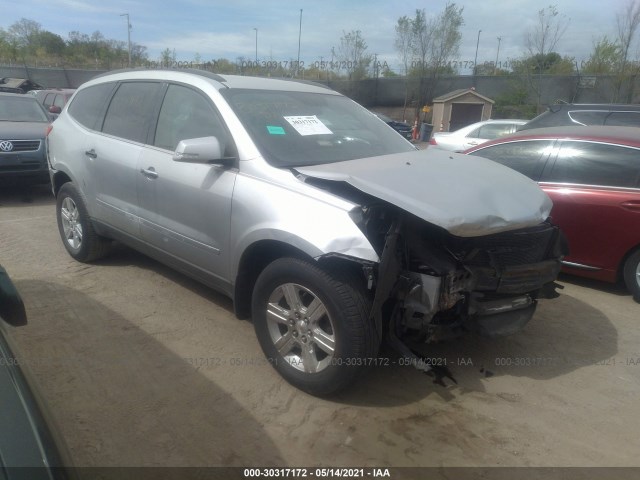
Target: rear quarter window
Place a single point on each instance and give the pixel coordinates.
(88, 105)
(587, 163)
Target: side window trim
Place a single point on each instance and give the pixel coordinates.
(105, 107)
(552, 156)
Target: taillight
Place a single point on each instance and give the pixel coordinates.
(433, 141)
(48, 130)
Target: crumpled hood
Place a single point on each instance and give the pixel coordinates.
(468, 196)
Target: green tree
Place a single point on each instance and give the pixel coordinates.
(167, 57)
(628, 23)
(435, 43)
(604, 59)
(489, 68)
(25, 33)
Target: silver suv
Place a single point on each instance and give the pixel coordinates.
(327, 228)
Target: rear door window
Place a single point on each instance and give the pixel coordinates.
(88, 105)
(526, 157)
(132, 110)
(590, 163)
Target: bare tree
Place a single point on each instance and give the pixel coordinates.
(353, 55)
(550, 28)
(540, 41)
(404, 46)
(627, 23)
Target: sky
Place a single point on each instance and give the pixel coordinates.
(215, 29)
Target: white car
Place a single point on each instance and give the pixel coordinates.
(474, 134)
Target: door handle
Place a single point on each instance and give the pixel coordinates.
(91, 153)
(634, 206)
(149, 172)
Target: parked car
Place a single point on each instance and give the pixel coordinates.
(474, 134)
(592, 174)
(17, 85)
(29, 445)
(54, 100)
(23, 125)
(402, 128)
(320, 222)
(573, 114)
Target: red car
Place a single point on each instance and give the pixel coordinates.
(592, 174)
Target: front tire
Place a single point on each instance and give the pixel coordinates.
(313, 324)
(632, 274)
(74, 224)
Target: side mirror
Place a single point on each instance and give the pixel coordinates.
(11, 307)
(200, 150)
(55, 109)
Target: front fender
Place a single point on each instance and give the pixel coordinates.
(308, 221)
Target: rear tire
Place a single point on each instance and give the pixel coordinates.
(313, 324)
(632, 274)
(75, 227)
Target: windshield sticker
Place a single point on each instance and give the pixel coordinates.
(275, 130)
(308, 125)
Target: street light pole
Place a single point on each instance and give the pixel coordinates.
(495, 67)
(256, 44)
(128, 36)
(475, 61)
(299, 37)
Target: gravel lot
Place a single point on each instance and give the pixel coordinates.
(141, 366)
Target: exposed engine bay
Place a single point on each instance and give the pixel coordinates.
(431, 285)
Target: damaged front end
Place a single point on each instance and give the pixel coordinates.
(432, 285)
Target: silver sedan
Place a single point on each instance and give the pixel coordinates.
(474, 134)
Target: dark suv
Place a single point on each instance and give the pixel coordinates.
(586, 114)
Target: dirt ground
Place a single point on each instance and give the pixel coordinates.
(141, 366)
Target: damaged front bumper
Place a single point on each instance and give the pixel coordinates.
(441, 286)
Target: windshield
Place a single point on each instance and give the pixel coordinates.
(293, 129)
(18, 109)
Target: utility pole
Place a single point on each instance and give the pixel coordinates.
(128, 36)
(256, 45)
(299, 37)
(475, 61)
(495, 67)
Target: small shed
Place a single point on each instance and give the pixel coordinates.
(460, 108)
